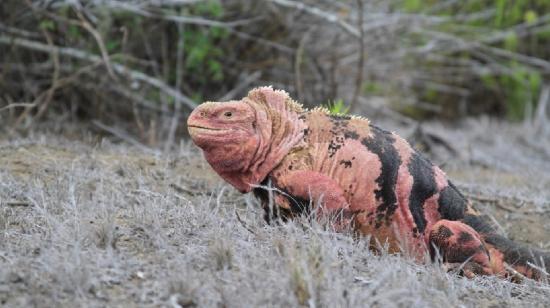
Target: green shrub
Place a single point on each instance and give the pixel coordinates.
(515, 87)
(337, 107)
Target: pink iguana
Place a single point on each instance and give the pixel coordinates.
(373, 179)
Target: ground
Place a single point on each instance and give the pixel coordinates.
(95, 223)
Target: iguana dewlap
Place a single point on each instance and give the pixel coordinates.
(373, 179)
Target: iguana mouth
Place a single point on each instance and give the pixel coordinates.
(204, 127)
(207, 130)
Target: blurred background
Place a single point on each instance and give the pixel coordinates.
(135, 69)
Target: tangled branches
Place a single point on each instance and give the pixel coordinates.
(143, 65)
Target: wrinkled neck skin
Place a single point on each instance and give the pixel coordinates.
(277, 131)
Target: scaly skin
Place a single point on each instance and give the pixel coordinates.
(367, 178)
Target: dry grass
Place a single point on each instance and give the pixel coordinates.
(105, 224)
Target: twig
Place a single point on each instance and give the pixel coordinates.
(102, 49)
(177, 18)
(332, 18)
(262, 41)
(539, 268)
(533, 61)
(19, 32)
(55, 78)
(179, 79)
(461, 44)
(361, 64)
(243, 223)
(299, 58)
(138, 99)
(45, 97)
(515, 274)
(82, 55)
(18, 105)
(498, 203)
(540, 113)
(430, 139)
(182, 189)
(241, 86)
(123, 135)
(17, 203)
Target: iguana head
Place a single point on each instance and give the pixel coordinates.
(226, 133)
(244, 140)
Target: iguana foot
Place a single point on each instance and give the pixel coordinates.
(460, 247)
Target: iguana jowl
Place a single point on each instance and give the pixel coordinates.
(373, 178)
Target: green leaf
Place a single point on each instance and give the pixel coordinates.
(412, 5)
(47, 25)
(511, 42)
(530, 17)
(215, 68)
(73, 31)
(500, 12)
(337, 107)
(112, 45)
(535, 81)
(373, 88)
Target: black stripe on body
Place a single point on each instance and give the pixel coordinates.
(297, 205)
(382, 144)
(337, 131)
(424, 187)
(452, 204)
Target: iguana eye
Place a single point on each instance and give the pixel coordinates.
(228, 114)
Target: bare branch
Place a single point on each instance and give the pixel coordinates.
(241, 86)
(18, 105)
(85, 56)
(332, 18)
(123, 135)
(103, 50)
(361, 64)
(541, 118)
(128, 7)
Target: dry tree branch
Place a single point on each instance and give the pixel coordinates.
(332, 18)
(298, 60)
(123, 135)
(102, 49)
(137, 99)
(262, 41)
(118, 68)
(241, 86)
(45, 97)
(361, 64)
(155, 11)
(531, 61)
(540, 114)
(18, 105)
(179, 79)
(55, 78)
(243, 223)
(19, 32)
(519, 30)
(177, 18)
(460, 44)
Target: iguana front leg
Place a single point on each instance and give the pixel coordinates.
(460, 247)
(326, 196)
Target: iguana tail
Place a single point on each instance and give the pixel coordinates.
(507, 256)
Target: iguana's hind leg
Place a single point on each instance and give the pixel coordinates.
(459, 246)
